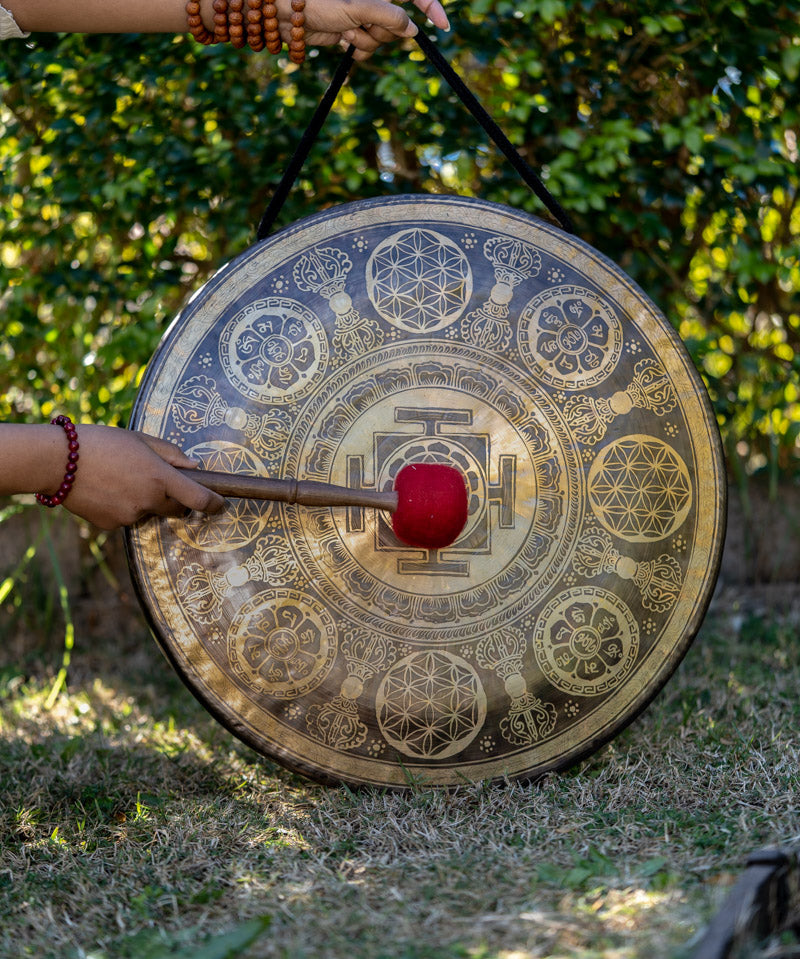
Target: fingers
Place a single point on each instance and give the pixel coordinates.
(434, 11)
(176, 492)
(124, 476)
(366, 41)
(370, 13)
(402, 26)
(366, 24)
(187, 494)
(168, 452)
(383, 23)
(181, 492)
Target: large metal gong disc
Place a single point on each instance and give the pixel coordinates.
(434, 329)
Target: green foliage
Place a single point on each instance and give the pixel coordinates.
(155, 944)
(121, 188)
(133, 166)
(670, 133)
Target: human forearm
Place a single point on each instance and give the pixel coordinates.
(122, 476)
(323, 17)
(103, 16)
(31, 458)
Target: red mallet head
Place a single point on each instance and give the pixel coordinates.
(431, 505)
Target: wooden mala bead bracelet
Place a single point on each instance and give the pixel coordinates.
(272, 33)
(251, 22)
(255, 34)
(196, 26)
(297, 43)
(221, 34)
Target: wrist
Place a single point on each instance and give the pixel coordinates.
(33, 458)
(71, 464)
(52, 461)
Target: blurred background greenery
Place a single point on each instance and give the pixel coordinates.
(132, 167)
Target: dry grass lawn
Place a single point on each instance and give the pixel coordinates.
(131, 825)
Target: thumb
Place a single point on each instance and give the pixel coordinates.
(168, 452)
(184, 490)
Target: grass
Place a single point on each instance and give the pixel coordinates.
(132, 825)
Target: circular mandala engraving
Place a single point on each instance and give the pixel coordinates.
(639, 489)
(507, 437)
(419, 280)
(242, 519)
(282, 643)
(431, 705)
(570, 338)
(274, 350)
(431, 330)
(586, 641)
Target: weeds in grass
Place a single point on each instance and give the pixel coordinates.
(133, 825)
(13, 579)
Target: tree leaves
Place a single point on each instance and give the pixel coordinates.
(133, 166)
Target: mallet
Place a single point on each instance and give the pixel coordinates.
(428, 503)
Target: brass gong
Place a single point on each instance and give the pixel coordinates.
(432, 329)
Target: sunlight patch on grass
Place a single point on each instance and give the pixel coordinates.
(131, 820)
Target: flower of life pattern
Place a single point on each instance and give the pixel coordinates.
(640, 489)
(242, 520)
(431, 705)
(419, 281)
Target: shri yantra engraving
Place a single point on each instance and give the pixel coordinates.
(432, 330)
(504, 434)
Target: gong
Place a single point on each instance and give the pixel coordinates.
(432, 329)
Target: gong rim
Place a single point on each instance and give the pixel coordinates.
(324, 764)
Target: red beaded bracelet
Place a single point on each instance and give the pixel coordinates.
(72, 464)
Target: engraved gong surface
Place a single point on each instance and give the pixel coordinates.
(436, 330)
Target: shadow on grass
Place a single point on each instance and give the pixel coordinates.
(132, 822)
(123, 834)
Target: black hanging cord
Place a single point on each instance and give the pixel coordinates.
(462, 92)
(470, 101)
(304, 146)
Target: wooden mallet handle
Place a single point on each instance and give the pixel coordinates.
(304, 492)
